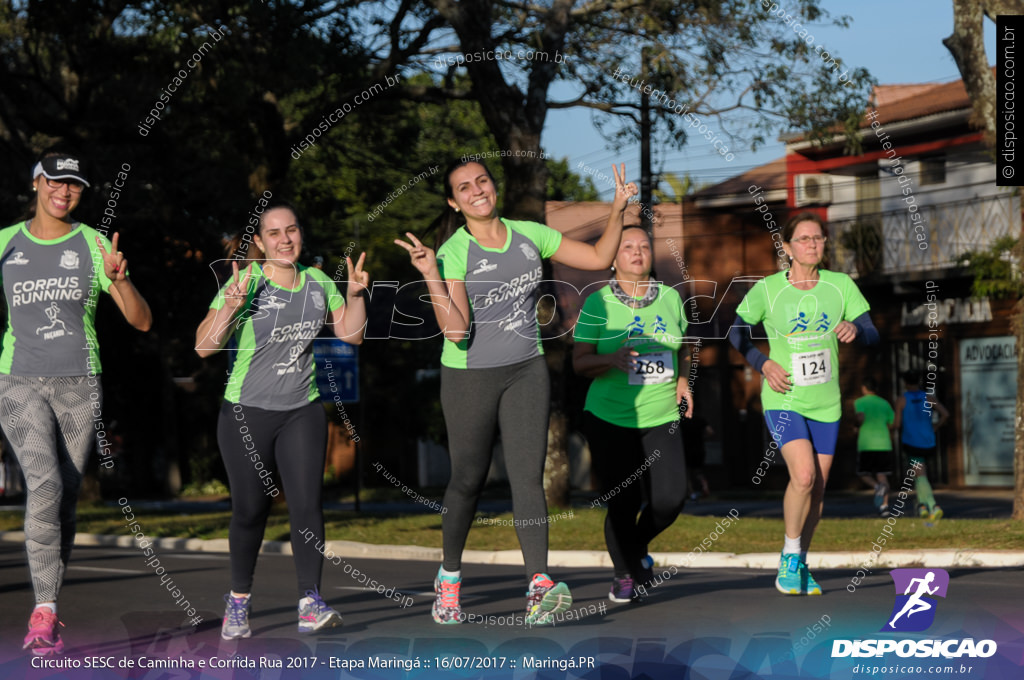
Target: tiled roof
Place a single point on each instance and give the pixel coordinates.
(896, 103)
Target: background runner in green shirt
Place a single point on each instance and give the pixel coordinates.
(806, 312)
(628, 339)
(875, 459)
(271, 427)
(483, 286)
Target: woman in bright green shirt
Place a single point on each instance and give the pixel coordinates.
(629, 339)
(806, 312)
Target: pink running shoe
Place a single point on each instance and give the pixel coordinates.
(43, 635)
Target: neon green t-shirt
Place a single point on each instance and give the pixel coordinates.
(273, 368)
(874, 431)
(501, 284)
(51, 288)
(645, 397)
(801, 325)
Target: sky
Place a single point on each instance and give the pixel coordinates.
(898, 41)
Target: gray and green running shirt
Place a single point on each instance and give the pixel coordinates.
(273, 367)
(51, 287)
(501, 284)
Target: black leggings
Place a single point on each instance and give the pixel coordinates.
(474, 401)
(262, 449)
(631, 463)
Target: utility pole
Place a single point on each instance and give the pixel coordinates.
(645, 145)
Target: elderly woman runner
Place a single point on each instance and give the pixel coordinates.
(806, 311)
(629, 339)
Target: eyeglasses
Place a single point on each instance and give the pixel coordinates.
(807, 240)
(72, 186)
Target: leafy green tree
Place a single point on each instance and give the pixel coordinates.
(713, 58)
(565, 185)
(679, 187)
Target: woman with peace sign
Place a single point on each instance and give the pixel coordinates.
(483, 287)
(271, 423)
(629, 339)
(54, 269)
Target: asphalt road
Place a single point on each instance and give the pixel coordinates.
(700, 624)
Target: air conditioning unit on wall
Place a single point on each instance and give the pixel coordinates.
(813, 190)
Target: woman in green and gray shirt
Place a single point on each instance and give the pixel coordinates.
(483, 286)
(272, 428)
(54, 269)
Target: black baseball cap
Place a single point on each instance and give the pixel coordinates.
(62, 167)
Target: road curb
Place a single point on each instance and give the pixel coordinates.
(889, 559)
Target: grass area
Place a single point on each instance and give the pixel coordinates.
(584, 531)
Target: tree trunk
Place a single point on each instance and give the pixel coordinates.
(526, 178)
(967, 45)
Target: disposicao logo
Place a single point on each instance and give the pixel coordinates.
(914, 611)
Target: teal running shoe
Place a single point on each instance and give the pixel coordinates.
(811, 587)
(790, 580)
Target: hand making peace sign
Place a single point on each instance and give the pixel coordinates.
(114, 264)
(623, 191)
(236, 293)
(358, 280)
(422, 257)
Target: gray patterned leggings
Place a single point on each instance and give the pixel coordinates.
(48, 422)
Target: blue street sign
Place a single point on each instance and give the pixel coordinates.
(337, 370)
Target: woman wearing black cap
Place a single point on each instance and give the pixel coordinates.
(53, 269)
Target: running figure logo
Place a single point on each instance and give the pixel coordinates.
(915, 611)
(51, 331)
(801, 323)
(289, 366)
(635, 327)
(270, 301)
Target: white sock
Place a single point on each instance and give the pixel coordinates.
(457, 574)
(52, 606)
(791, 546)
(237, 596)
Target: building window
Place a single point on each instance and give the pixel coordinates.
(933, 170)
